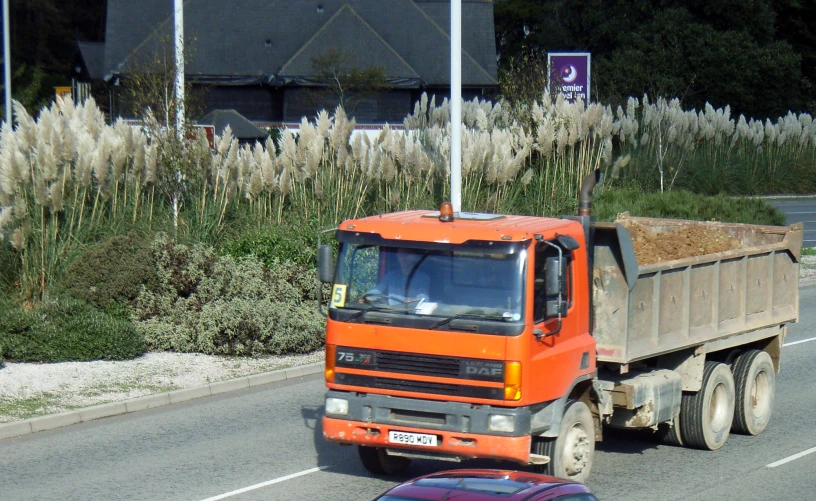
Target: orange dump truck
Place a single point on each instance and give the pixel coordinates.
(456, 336)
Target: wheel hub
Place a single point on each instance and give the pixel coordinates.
(718, 408)
(576, 451)
(760, 395)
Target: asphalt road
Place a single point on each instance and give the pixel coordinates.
(260, 438)
(799, 210)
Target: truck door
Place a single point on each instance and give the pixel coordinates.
(558, 354)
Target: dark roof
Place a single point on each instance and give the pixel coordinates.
(255, 41)
(348, 33)
(240, 126)
(93, 56)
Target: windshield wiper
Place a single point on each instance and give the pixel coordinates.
(478, 316)
(381, 309)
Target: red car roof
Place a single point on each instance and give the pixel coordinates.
(483, 485)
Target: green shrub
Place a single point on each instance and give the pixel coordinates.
(223, 305)
(684, 205)
(289, 241)
(63, 329)
(112, 271)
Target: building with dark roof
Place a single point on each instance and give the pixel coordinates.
(257, 56)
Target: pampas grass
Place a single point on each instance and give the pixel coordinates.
(71, 177)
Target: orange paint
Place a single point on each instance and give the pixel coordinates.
(467, 445)
(549, 367)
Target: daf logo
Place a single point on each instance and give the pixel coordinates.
(483, 371)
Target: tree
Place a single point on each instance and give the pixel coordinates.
(43, 43)
(338, 81)
(150, 93)
(725, 52)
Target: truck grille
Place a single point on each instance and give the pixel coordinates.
(382, 383)
(419, 364)
(422, 365)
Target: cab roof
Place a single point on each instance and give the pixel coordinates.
(425, 226)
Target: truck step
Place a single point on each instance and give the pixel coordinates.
(423, 455)
(538, 459)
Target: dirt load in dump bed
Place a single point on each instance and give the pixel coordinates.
(686, 242)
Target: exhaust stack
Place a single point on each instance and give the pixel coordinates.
(587, 220)
(585, 199)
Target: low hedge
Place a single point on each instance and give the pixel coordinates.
(113, 270)
(222, 305)
(65, 329)
(289, 241)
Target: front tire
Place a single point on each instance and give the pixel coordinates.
(755, 381)
(572, 452)
(378, 462)
(669, 432)
(706, 416)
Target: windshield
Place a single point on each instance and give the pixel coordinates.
(441, 284)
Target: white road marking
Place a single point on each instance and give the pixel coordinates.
(799, 342)
(264, 484)
(791, 458)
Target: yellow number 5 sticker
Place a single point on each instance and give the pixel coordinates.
(338, 296)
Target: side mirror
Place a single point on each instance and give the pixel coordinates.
(567, 242)
(553, 280)
(556, 287)
(325, 263)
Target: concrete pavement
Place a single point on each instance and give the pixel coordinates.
(266, 443)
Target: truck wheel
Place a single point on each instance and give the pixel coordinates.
(669, 432)
(706, 416)
(571, 453)
(755, 384)
(378, 462)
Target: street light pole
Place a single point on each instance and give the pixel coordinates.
(456, 105)
(7, 60)
(179, 22)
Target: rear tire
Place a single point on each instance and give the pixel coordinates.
(706, 416)
(378, 462)
(572, 452)
(755, 382)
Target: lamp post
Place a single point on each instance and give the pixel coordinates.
(7, 60)
(179, 31)
(456, 105)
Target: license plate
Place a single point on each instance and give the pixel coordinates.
(401, 437)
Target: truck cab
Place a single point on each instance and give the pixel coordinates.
(478, 362)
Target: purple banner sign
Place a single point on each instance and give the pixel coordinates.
(569, 73)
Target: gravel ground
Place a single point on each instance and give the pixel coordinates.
(29, 390)
(807, 268)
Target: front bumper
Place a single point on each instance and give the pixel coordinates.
(462, 429)
(452, 444)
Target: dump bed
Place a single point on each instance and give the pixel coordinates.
(642, 311)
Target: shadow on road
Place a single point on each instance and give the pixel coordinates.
(344, 460)
(621, 441)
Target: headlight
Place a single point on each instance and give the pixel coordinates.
(501, 422)
(336, 406)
